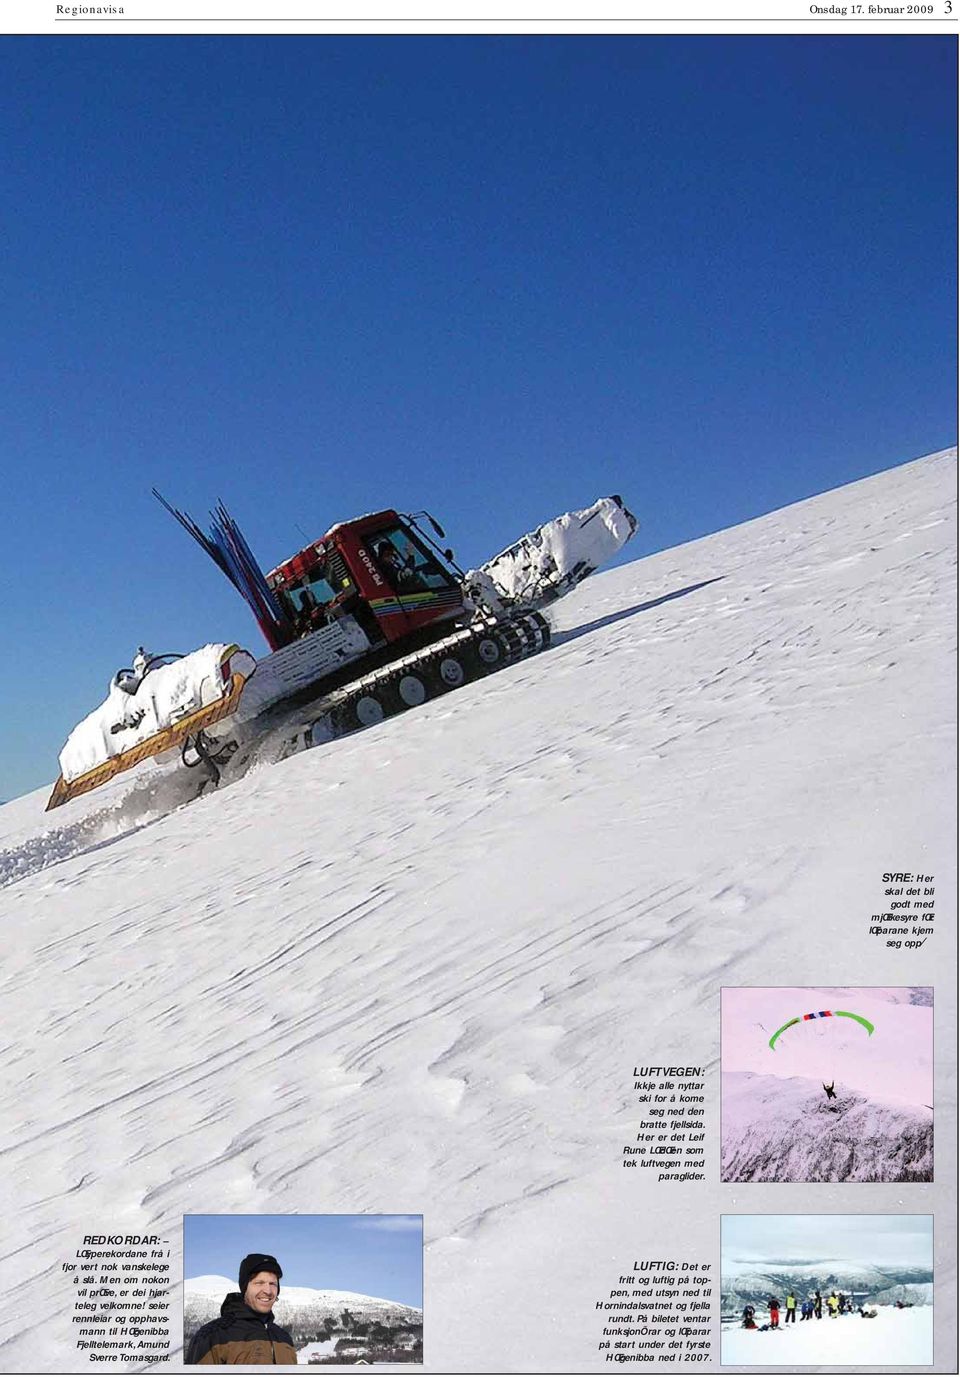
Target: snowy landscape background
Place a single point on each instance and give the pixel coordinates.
(412, 971)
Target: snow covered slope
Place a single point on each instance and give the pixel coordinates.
(412, 971)
(897, 1338)
(302, 1310)
(786, 1130)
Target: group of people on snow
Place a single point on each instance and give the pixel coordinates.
(811, 1308)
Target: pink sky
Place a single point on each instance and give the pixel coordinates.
(894, 1063)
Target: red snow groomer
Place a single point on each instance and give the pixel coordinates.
(378, 568)
(373, 618)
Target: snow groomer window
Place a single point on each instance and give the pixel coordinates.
(307, 596)
(408, 568)
(318, 586)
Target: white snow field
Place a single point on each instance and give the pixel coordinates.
(412, 971)
(895, 1338)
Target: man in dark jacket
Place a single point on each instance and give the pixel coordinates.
(246, 1331)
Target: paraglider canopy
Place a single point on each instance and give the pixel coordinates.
(823, 1013)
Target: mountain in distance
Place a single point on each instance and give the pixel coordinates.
(785, 1129)
(307, 1313)
(751, 1283)
(909, 1293)
(920, 996)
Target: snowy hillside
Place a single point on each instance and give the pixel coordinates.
(412, 971)
(302, 1310)
(909, 1293)
(753, 1284)
(786, 1130)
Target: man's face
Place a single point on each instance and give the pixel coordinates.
(262, 1290)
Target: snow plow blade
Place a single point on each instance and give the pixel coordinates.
(165, 740)
(549, 562)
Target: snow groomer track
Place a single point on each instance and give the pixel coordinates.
(468, 654)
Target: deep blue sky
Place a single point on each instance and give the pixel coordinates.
(375, 1254)
(496, 277)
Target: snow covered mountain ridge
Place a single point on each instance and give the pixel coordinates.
(744, 1286)
(785, 1129)
(302, 1310)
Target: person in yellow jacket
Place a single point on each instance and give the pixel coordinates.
(833, 1304)
(791, 1308)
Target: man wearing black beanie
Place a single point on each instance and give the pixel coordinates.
(246, 1331)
